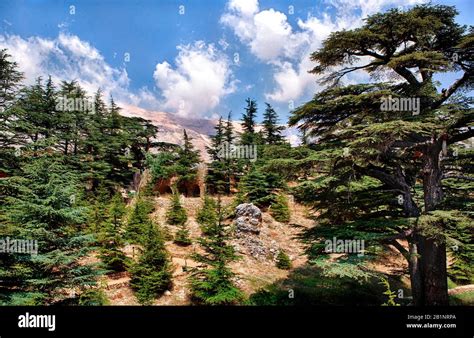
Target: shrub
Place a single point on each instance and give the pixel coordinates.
(283, 261)
(279, 209)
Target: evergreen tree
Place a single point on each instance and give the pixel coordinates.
(249, 135)
(260, 187)
(217, 141)
(10, 79)
(181, 236)
(279, 209)
(139, 218)
(207, 215)
(283, 261)
(370, 156)
(229, 136)
(217, 178)
(187, 163)
(44, 205)
(151, 275)
(111, 236)
(211, 283)
(176, 215)
(271, 130)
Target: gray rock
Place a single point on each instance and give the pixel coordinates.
(248, 218)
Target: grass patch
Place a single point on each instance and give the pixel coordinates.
(309, 287)
(465, 298)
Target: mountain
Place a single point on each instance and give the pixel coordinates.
(171, 127)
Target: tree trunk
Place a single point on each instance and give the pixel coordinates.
(432, 252)
(433, 272)
(416, 279)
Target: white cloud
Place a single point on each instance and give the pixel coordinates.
(368, 7)
(197, 84)
(270, 37)
(200, 79)
(67, 58)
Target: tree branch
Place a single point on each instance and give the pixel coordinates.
(450, 91)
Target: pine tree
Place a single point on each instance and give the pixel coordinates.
(219, 170)
(211, 283)
(260, 187)
(138, 220)
(207, 215)
(217, 141)
(44, 205)
(279, 209)
(176, 215)
(379, 167)
(71, 117)
(283, 261)
(111, 236)
(10, 79)
(151, 275)
(271, 130)
(187, 163)
(229, 130)
(249, 135)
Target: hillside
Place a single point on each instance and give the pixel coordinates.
(252, 274)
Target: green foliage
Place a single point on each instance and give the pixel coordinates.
(138, 220)
(111, 236)
(207, 215)
(271, 130)
(283, 261)
(307, 286)
(374, 171)
(260, 187)
(181, 237)
(63, 161)
(221, 171)
(389, 293)
(462, 299)
(456, 230)
(176, 214)
(162, 165)
(93, 297)
(181, 162)
(249, 136)
(151, 275)
(44, 205)
(188, 159)
(279, 209)
(211, 283)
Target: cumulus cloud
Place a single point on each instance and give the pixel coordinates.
(271, 38)
(197, 83)
(68, 58)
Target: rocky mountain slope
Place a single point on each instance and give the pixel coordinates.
(171, 127)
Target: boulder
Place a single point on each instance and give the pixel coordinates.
(248, 218)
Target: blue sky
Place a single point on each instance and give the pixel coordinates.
(193, 58)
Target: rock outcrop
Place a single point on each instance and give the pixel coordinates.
(248, 219)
